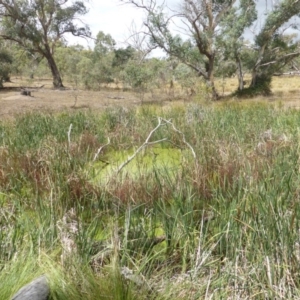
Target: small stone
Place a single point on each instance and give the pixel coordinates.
(38, 289)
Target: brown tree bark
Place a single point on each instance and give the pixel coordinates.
(210, 76)
(40, 32)
(239, 73)
(57, 80)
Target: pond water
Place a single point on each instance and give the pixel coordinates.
(165, 161)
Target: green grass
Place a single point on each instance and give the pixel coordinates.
(224, 225)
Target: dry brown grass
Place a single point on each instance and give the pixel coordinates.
(49, 99)
(285, 90)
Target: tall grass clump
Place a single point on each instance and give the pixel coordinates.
(186, 202)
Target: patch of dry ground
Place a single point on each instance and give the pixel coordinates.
(46, 99)
(49, 99)
(285, 89)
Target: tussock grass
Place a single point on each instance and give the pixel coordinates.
(222, 226)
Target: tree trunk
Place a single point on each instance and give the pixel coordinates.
(240, 73)
(57, 81)
(253, 79)
(257, 65)
(215, 93)
(210, 77)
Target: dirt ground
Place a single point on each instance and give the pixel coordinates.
(46, 99)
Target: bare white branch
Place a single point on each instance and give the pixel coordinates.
(183, 137)
(69, 134)
(100, 149)
(145, 144)
(161, 122)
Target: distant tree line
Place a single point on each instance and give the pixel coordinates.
(215, 31)
(32, 43)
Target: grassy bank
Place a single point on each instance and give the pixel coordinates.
(220, 220)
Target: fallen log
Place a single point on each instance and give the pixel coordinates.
(109, 97)
(26, 91)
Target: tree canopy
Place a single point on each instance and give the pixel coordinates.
(207, 36)
(38, 25)
(212, 32)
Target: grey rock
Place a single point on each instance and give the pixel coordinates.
(37, 289)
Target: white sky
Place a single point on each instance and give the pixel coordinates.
(112, 17)
(115, 18)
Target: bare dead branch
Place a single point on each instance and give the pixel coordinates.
(290, 55)
(161, 122)
(145, 144)
(69, 134)
(100, 149)
(183, 137)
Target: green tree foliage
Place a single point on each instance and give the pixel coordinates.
(137, 76)
(151, 75)
(104, 43)
(231, 42)
(122, 56)
(214, 38)
(202, 19)
(102, 73)
(74, 63)
(5, 65)
(25, 62)
(273, 48)
(38, 25)
(94, 69)
(86, 68)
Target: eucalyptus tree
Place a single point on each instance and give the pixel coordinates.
(102, 72)
(202, 21)
(6, 61)
(104, 43)
(122, 56)
(273, 47)
(231, 41)
(39, 25)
